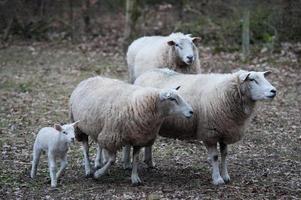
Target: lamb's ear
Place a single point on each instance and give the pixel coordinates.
(266, 73)
(75, 123)
(244, 76)
(58, 127)
(177, 88)
(164, 95)
(195, 40)
(171, 43)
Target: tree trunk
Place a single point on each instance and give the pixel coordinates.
(246, 30)
(131, 16)
(86, 16)
(71, 20)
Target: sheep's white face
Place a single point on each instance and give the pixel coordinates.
(171, 103)
(257, 84)
(185, 49)
(67, 131)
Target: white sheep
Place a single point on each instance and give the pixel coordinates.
(223, 105)
(176, 51)
(114, 114)
(54, 141)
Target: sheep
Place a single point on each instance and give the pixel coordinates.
(114, 113)
(54, 141)
(223, 105)
(176, 51)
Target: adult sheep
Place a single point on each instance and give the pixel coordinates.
(114, 114)
(223, 105)
(176, 51)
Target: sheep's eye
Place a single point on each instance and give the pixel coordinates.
(64, 132)
(252, 79)
(173, 99)
(177, 45)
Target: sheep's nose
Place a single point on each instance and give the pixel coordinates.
(273, 91)
(190, 58)
(72, 140)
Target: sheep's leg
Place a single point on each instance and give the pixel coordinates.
(98, 159)
(134, 177)
(213, 160)
(100, 172)
(85, 146)
(148, 157)
(35, 161)
(126, 154)
(52, 169)
(224, 153)
(63, 166)
(105, 156)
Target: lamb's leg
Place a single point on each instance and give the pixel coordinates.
(35, 161)
(213, 160)
(52, 169)
(105, 156)
(148, 157)
(126, 157)
(98, 159)
(85, 146)
(134, 177)
(224, 170)
(100, 172)
(63, 166)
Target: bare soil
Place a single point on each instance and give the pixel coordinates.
(36, 80)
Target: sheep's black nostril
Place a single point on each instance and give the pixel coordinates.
(273, 91)
(190, 57)
(190, 112)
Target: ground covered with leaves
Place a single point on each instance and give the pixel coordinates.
(36, 80)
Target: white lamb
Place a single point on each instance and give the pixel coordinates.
(176, 51)
(55, 142)
(114, 114)
(223, 105)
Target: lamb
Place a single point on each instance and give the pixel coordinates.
(223, 105)
(54, 141)
(176, 51)
(114, 114)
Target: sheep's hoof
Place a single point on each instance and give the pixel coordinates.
(150, 164)
(226, 178)
(127, 166)
(136, 181)
(218, 181)
(97, 167)
(89, 174)
(137, 184)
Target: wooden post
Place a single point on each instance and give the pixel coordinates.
(246, 30)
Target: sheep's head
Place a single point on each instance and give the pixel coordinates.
(256, 86)
(184, 48)
(171, 103)
(67, 131)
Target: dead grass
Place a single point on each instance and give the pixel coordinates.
(37, 79)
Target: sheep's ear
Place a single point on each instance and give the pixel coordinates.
(244, 76)
(196, 39)
(164, 95)
(75, 123)
(171, 43)
(58, 127)
(177, 88)
(266, 73)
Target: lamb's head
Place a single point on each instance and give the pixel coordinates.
(256, 86)
(67, 131)
(171, 103)
(184, 47)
